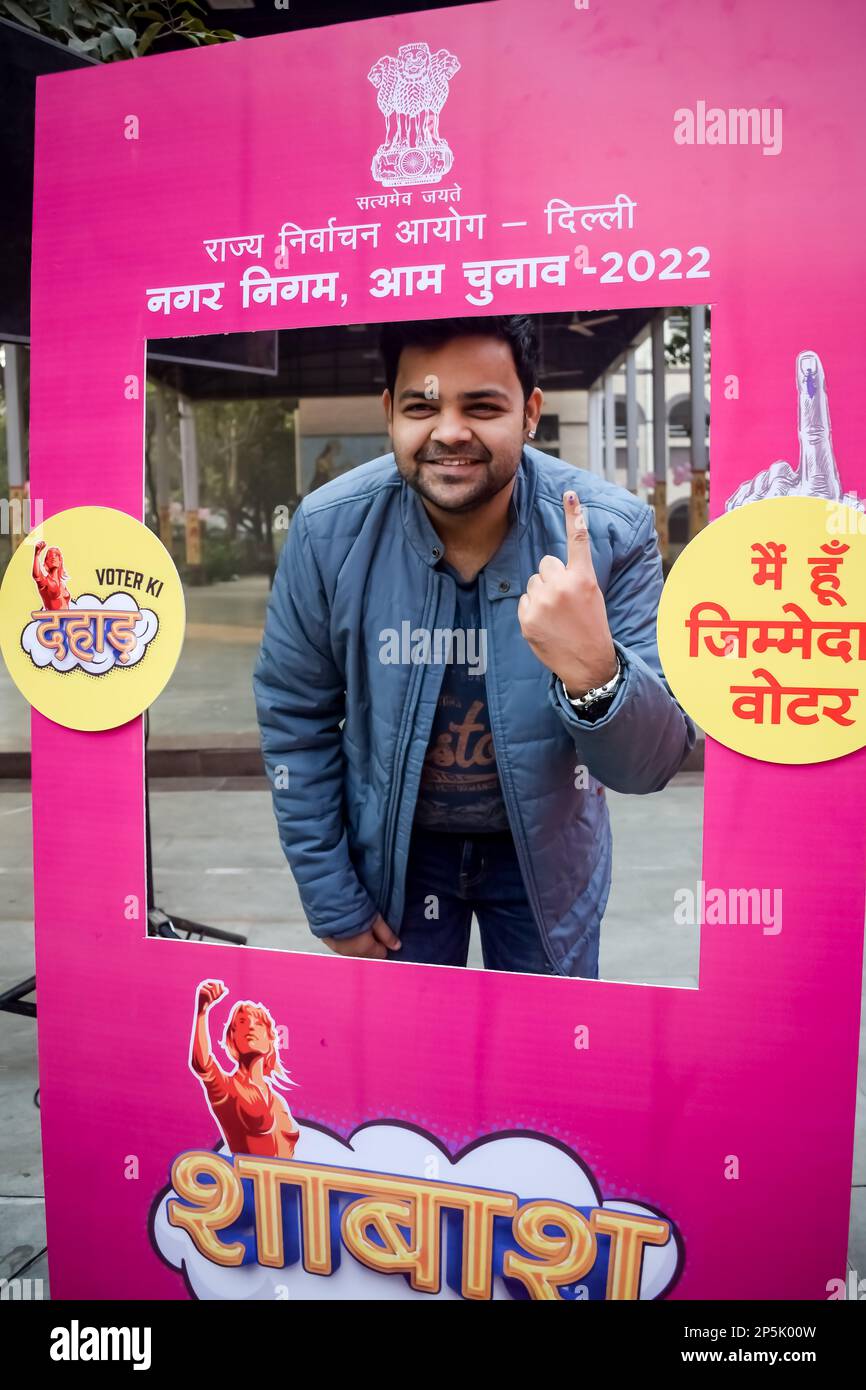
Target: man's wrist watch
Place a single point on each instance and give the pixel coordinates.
(599, 692)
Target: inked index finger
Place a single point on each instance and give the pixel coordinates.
(576, 531)
(817, 464)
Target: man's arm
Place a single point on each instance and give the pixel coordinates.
(300, 701)
(642, 736)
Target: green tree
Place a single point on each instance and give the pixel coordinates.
(111, 30)
(246, 453)
(678, 348)
(246, 462)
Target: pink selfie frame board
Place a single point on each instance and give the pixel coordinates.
(137, 164)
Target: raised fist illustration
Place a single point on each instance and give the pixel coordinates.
(210, 991)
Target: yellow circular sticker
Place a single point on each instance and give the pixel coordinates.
(91, 617)
(762, 629)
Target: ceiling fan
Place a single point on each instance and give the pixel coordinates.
(585, 326)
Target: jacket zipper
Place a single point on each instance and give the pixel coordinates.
(509, 796)
(395, 803)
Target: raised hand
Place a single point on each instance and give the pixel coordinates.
(209, 991)
(562, 614)
(816, 474)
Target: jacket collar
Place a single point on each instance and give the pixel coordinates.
(503, 571)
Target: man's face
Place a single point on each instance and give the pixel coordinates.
(457, 420)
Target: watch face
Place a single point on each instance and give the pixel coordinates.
(597, 708)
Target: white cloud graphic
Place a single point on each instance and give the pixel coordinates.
(144, 630)
(527, 1165)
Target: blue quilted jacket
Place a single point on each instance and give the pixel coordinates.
(344, 736)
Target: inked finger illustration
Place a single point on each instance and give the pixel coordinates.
(816, 474)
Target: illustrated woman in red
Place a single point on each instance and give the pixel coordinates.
(50, 579)
(251, 1113)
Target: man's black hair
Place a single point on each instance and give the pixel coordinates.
(517, 330)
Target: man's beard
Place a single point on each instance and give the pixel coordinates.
(434, 486)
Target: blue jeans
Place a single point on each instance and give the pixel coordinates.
(454, 876)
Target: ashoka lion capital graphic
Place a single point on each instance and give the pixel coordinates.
(412, 89)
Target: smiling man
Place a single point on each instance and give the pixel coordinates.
(459, 655)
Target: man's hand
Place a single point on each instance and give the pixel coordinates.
(373, 943)
(562, 614)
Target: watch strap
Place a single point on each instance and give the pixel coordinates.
(599, 692)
